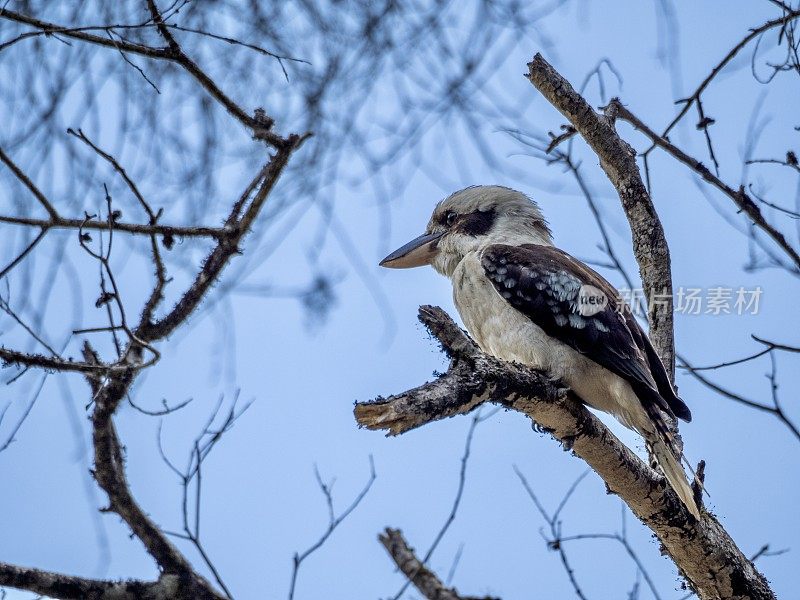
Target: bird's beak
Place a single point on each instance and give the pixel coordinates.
(416, 253)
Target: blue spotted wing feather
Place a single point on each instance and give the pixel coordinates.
(550, 288)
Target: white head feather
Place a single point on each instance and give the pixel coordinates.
(481, 215)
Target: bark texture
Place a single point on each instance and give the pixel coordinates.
(69, 587)
(703, 551)
(618, 160)
(426, 581)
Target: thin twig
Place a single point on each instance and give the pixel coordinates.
(175, 231)
(740, 198)
(689, 101)
(462, 478)
(333, 521)
(776, 409)
(26, 181)
(554, 542)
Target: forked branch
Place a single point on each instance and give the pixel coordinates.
(618, 160)
(703, 551)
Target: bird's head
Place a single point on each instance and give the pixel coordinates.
(469, 220)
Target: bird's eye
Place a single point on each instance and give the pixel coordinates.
(450, 218)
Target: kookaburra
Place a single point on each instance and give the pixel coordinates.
(524, 300)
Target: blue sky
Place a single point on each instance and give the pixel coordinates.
(261, 502)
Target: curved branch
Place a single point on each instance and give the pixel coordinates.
(173, 53)
(618, 160)
(703, 551)
(740, 198)
(109, 472)
(789, 15)
(227, 246)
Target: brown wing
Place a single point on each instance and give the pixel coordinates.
(550, 288)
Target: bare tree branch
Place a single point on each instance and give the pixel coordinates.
(703, 551)
(14, 357)
(26, 181)
(110, 383)
(176, 231)
(172, 52)
(462, 479)
(618, 160)
(69, 587)
(554, 542)
(334, 520)
(776, 409)
(425, 580)
(740, 198)
(225, 249)
(782, 21)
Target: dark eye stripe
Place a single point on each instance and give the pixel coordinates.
(476, 223)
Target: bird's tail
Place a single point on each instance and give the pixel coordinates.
(667, 455)
(675, 474)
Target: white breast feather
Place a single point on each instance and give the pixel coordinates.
(504, 332)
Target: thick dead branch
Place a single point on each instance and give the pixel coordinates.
(68, 587)
(53, 363)
(109, 472)
(703, 551)
(425, 580)
(618, 160)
